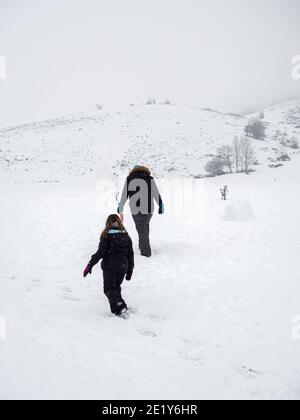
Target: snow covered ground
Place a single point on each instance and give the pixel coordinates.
(212, 311)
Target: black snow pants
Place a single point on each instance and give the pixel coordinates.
(142, 224)
(112, 290)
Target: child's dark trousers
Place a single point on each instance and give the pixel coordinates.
(113, 291)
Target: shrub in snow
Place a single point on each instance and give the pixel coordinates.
(238, 212)
(224, 192)
(294, 143)
(256, 129)
(276, 165)
(284, 158)
(215, 167)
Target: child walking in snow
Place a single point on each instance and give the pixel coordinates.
(115, 250)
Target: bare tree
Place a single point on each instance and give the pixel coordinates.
(226, 153)
(236, 148)
(247, 153)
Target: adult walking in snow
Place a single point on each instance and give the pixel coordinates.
(115, 250)
(141, 190)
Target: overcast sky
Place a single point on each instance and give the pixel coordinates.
(65, 56)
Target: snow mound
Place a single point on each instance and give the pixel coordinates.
(240, 211)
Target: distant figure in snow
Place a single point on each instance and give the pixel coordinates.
(115, 250)
(141, 190)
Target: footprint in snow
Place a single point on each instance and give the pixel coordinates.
(36, 284)
(146, 332)
(250, 373)
(191, 357)
(71, 298)
(155, 317)
(66, 295)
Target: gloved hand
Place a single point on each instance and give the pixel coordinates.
(128, 276)
(87, 270)
(161, 209)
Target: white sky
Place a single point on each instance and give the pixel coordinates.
(65, 56)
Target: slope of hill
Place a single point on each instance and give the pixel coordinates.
(173, 141)
(285, 115)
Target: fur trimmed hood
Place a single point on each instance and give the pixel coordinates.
(140, 169)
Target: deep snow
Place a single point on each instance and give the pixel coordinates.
(212, 311)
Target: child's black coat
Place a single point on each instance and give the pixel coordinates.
(116, 252)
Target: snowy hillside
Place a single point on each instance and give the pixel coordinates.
(173, 141)
(285, 115)
(213, 309)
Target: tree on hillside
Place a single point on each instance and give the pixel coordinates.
(226, 153)
(256, 129)
(247, 153)
(237, 153)
(151, 101)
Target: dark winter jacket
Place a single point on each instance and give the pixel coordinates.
(116, 253)
(141, 190)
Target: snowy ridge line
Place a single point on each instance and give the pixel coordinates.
(173, 141)
(50, 123)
